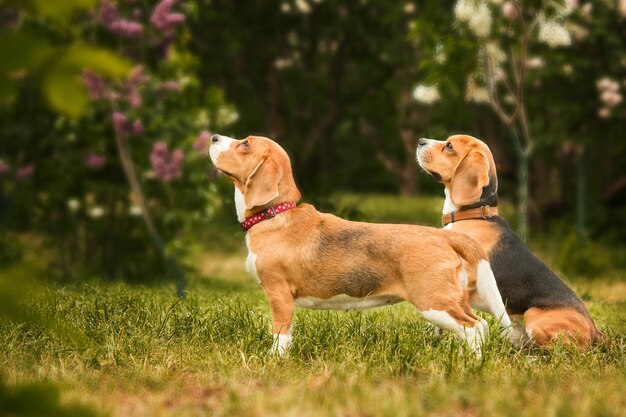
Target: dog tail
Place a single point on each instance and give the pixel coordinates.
(486, 286)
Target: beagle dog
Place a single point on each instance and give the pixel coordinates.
(305, 258)
(541, 305)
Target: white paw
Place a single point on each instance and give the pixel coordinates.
(474, 338)
(482, 327)
(280, 345)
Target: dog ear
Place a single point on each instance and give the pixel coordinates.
(262, 185)
(469, 178)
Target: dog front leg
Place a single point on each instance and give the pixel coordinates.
(282, 306)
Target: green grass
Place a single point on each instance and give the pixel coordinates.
(126, 350)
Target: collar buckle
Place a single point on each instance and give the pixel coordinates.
(266, 213)
(482, 213)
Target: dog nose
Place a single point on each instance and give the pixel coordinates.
(215, 138)
(422, 142)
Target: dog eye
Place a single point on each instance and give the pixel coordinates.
(449, 146)
(245, 145)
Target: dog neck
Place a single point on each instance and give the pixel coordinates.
(240, 205)
(488, 197)
(448, 205)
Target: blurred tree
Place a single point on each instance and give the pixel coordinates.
(118, 112)
(321, 77)
(503, 36)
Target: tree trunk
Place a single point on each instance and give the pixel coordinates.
(522, 194)
(409, 185)
(581, 196)
(523, 157)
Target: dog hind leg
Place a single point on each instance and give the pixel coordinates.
(458, 322)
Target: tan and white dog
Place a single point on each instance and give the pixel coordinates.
(305, 258)
(541, 304)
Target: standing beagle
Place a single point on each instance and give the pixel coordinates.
(305, 258)
(534, 295)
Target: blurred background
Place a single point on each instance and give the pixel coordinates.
(107, 107)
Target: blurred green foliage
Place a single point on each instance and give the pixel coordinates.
(36, 400)
(56, 61)
(332, 82)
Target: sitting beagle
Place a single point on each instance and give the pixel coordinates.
(305, 258)
(535, 296)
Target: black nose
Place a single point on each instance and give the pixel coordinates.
(422, 142)
(215, 138)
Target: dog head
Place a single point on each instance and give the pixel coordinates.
(258, 167)
(464, 165)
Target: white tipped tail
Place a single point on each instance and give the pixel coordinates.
(489, 294)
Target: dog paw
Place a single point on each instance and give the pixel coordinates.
(280, 345)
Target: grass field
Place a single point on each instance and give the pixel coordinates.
(125, 350)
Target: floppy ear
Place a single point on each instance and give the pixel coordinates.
(262, 185)
(469, 178)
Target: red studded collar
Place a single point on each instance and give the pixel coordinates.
(266, 214)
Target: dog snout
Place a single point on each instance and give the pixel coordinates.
(422, 142)
(215, 138)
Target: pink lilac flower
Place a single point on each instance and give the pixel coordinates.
(109, 16)
(509, 10)
(134, 98)
(167, 167)
(170, 86)
(107, 13)
(201, 143)
(5, 169)
(25, 172)
(135, 80)
(95, 85)
(137, 127)
(95, 161)
(163, 19)
(126, 27)
(119, 123)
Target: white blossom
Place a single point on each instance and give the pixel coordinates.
(475, 93)
(607, 84)
(464, 10)
(509, 10)
(480, 21)
(426, 94)
(409, 8)
(609, 95)
(135, 210)
(604, 113)
(282, 63)
(226, 116)
(95, 212)
(553, 34)
(611, 98)
(577, 31)
(586, 10)
(621, 8)
(571, 5)
(285, 7)
(73, 204)
(535, 62)
(303, 7)
(495, 54)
